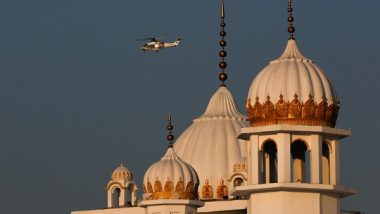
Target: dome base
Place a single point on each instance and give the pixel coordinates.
(293, 112)
(171, 195)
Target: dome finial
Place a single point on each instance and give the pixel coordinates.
(170, 127)
(222, 10)
(291, 29)
(222, 43)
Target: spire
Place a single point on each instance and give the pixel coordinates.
(222, 43)
(170, 127)
(291, 29)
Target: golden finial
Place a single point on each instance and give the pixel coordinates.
(170, 127)
(222, 43)
(291, 28)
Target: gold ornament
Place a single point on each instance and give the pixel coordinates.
(292, 113)
(207, 190)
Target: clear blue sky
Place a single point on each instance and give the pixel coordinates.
(78, 97)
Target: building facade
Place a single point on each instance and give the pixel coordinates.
(283, 157)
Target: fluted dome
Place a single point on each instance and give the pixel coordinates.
(294, 90)
(121, 172)
(170, 178)
(211, 146)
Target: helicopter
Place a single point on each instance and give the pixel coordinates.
(154, 44)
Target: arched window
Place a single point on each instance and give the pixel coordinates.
(238, 182)
(269, 161)
(325, 163)
(300, 160)
(115, 197)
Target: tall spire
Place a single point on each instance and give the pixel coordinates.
(170, 127)
(222, 43)
(291, 29)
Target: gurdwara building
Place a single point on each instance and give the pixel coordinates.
(282, 158)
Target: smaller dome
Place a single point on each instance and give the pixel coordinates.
(170, 178)
(121, 172)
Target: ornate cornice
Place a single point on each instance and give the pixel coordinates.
(292, 112)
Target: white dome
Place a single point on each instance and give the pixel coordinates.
(121, 172)
(210, 144)
(291, 74)
(170, 178)
(293, 77)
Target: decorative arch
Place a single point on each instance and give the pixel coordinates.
(115, 183)
(308, 146)
(265, 141)
(236, 175)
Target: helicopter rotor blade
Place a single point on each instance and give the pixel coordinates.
(146, 39)
(153, 38)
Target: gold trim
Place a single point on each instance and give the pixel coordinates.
(179, 186)
(189, 186)
(207, 190)
(144, 189)
(172, 195)
(157, 186)
(168, 186)
(222, 190)
(149, 187)
(168, 191)
(293, 113)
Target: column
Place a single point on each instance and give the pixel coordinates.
(283, 157)
(253, 160)
(109, 198)
(315, 159)
(122, 201)
(334, 163)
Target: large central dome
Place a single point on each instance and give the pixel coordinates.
(293, 90)
(211, 146)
